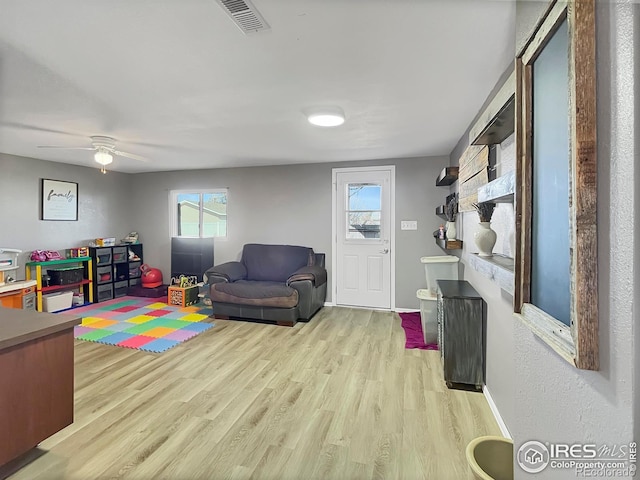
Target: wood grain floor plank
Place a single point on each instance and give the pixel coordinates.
(335, 398)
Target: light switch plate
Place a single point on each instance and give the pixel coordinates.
(408, 225)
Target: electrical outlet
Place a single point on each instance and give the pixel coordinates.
(409, 225)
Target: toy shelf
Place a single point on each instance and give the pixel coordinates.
(86, 283)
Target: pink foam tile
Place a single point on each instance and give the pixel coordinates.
(180, 335)
(136, 342)
(80, 330)
(104, 313)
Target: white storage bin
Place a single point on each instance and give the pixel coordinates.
(55, 302)
(442, 267)
(428, 316)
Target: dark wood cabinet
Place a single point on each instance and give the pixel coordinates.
(461, 333)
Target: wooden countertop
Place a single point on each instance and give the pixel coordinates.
(20, 326)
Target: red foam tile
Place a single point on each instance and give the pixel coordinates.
(136, 342)
(158, 313)
(126, 308)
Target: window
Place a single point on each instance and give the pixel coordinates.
(199, 214)
(364, 206)
(556, 287)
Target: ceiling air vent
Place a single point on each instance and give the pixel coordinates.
(244, 15)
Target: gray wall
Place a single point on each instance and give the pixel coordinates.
(539, 395)
(104, 208)
(292, 204)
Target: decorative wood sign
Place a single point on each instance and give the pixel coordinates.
(473, 174)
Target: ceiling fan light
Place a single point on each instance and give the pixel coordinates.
(103, 158)
(326, 117)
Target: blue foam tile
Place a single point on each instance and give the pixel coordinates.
(119, 327)
(198, 327)
(159, 345)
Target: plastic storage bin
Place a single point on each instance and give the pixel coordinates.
(54, 302)
(428, 316)
(65, 276)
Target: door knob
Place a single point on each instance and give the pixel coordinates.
(385, 250)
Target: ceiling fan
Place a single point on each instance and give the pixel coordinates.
(105, 148)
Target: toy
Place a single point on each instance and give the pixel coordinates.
(131, 238)
(151, 277)
(78, 252)
(45, 255)
(184, 281)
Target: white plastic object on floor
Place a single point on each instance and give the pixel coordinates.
(441, 267)
(428, 316)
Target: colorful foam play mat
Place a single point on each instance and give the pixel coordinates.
(141, 323)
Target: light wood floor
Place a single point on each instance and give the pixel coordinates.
(336, 398)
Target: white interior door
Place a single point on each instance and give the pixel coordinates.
(363, 240)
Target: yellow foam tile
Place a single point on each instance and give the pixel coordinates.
(157, 306)
(140, 319)
(158, 332)
(91, 320)
(103, 323)
(194, 317)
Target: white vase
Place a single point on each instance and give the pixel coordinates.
(485, 239)
(451, 230)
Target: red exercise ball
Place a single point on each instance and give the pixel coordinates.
(151, 277)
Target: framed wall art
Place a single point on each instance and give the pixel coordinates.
(59, 200)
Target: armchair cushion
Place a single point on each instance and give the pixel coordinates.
(317, 275)
(266, 294)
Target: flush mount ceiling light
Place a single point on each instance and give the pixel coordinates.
(326, 117)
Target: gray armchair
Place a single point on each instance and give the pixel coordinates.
(277, 283)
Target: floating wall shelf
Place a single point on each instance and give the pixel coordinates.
(447, 177)
(500, 190)
(497, 121)
(500, 127)
(449, 244)
(498, 268)
(441, 211)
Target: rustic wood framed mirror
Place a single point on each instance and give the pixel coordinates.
(556, 287)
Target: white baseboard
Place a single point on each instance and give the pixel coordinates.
(496, 413)
(397, 310)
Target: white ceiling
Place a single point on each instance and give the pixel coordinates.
(176, 81)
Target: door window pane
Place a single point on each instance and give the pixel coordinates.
(363, 215)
